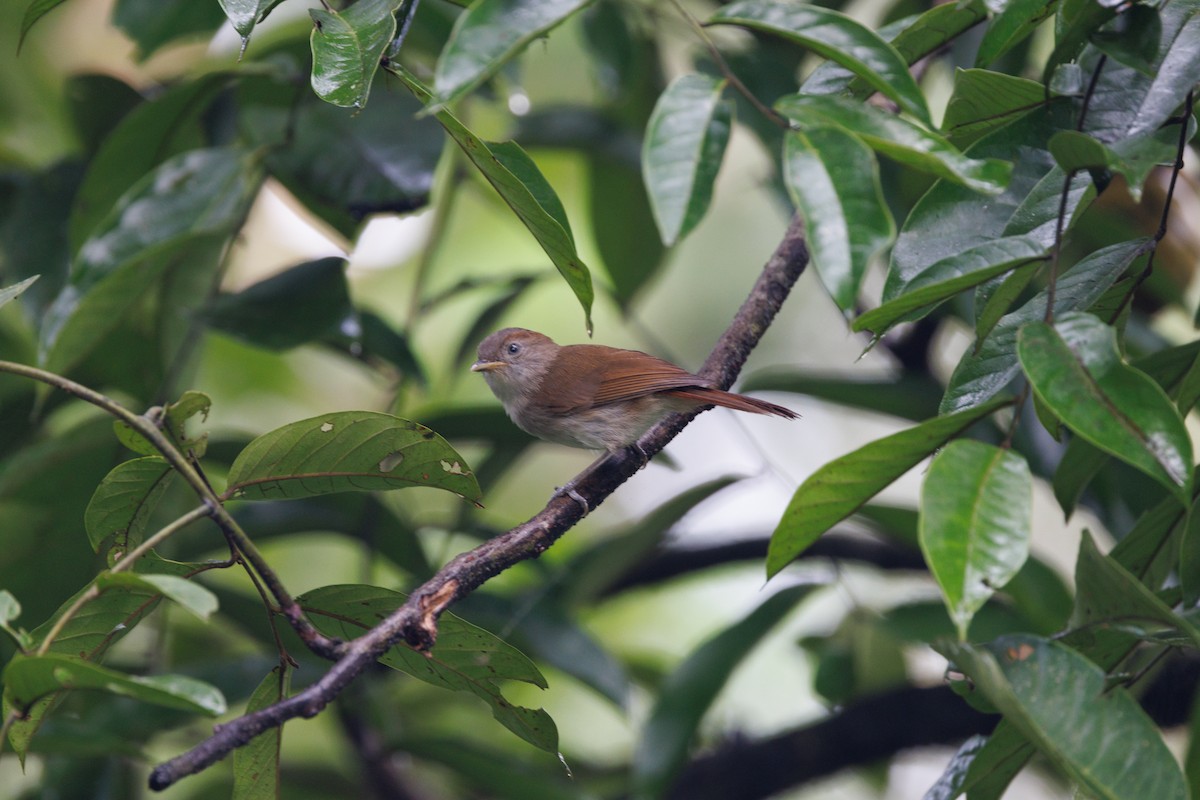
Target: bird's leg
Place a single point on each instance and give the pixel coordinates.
(568, 489)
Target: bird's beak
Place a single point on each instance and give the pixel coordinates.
(487, 366)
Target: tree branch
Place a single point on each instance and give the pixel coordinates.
(416, 621)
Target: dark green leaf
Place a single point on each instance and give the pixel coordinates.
(303, 303)
(256, 763)
(1175, 76)
(842, 486)
(465, 658)
(684, 145)
(347, 46)
(180, 213)
(997, 299)
(154, 23)
(691, 688)
(976, 516)
(833, 179)
(984, 101)
(1134, 39)
(521, 198)
(907, 395)
(1015, 22)
(124, 501)
(898, 139)
(146, 137)
(948, 277)
(98, 104)
(489, 34)
(348, 451)
(1107, 594)
(1061, 701)
(342, 166)
(187, 593)
(33, 12)
(27, 678)
(837, 37)
(987, 370)
(1076, 369)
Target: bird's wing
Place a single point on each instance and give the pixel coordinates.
(612, 375)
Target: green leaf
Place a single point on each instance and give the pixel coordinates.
(348, 451)
(188, 594)
(689, 691)
(905, 395)
(837, 37)
(346, 48)
(1077, 371)
(1015, 22)
(28, 678)
(1063, 703)
(123, 502)
(344, 167)
(9, 293)
(296, 306)
(685, 141)
(1174, 76)
(521, 197)
(948, 277)
(10, 609)
(33, 12)
(151, 24)
(1133, 157)
(181, 212)
(842, 486)
(1108, 595)
(898, 139)
(488, 35)
(984, 101)
(245, 14)
(984, 372)
(833, 179)
(976, 516)
(256, 763)
(147, 136)
(465, 658)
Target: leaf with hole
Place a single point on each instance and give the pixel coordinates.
(348, 451)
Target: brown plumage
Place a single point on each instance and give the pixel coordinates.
(593, 396)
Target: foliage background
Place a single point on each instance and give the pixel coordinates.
(395, 264)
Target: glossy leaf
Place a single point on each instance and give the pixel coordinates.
(1077, 371)
(976, 519)
(685, 141)
(521, 197)
(187, 593)
(1062, 702)
(28, 678)
(987, 370)
(298, 305)
(245, 14)
(183, 210)
(465, 658)
(10, 293)
(124, 501)
(490, 33)
(898, 139)
(1016, 21)
(347, 46)
(984, 101)
(147, 136)
(833, 179)
(1107, 594)
(842, 486)
(344, 167)
(689, 691)
(837, 37)
(348, 451)
(256, 763)
(948, 277)
(1134, 157)
(1175, 76)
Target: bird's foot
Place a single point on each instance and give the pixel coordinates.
(568, 490)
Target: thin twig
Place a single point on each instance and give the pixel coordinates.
(415, 623)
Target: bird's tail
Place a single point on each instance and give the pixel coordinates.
(738, 402)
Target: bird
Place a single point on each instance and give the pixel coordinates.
(592, 396)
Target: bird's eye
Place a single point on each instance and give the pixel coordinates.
(514, 348)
